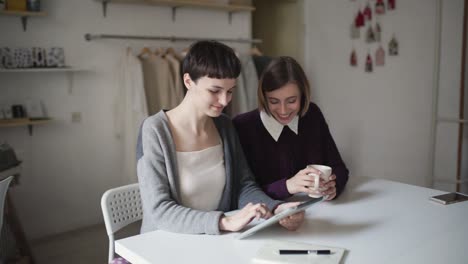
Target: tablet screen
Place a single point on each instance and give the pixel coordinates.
(274, 219)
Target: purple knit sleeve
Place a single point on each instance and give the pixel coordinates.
(277, 190)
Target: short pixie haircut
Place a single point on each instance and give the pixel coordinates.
(281, 71)
(212, 59)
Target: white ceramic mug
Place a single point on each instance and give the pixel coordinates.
(326, 172)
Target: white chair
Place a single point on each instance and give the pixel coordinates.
(120, 206)
(3, 191)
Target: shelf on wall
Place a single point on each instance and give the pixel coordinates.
(174, 4)
(23, 14)
(64, 69)
(14, 122)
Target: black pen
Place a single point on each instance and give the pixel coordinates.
(304, 252)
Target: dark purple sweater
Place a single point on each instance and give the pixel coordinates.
(273, 162)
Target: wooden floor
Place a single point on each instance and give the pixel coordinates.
(84, 246)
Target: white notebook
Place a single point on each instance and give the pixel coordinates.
(269, 253)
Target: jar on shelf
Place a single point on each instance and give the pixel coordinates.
(16, 5)
(33, 5)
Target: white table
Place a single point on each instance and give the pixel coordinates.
(377, 221)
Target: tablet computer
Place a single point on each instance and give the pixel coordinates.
(275, 219)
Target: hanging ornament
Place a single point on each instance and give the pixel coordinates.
(359, 21)
(380, 56)
(370, 36)
(353, 58)
(368, 63)
(391, 4)
(367, 12)
(380, 7)
(393, 46)
(355, 31)
(378, 32)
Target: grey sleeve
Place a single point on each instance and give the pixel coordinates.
(160, 209)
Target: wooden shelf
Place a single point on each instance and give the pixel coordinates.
(24, 122)
(181, 3)
(64, 69)
(23, 14)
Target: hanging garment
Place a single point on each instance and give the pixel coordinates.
(359, 20)
(174, 66)
(380, 56)
(378, 32)
(130, 111)
(393, 47)
(244, 98)
(369, 67)
(159, 84)
(250, 78)
(355, 32)
(353, 58)
(370, 36)
(367, 13)
(380, 7)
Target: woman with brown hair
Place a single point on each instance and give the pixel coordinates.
(288, 132)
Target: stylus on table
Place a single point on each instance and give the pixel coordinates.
(304, 252)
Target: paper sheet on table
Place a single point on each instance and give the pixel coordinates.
(269, 253)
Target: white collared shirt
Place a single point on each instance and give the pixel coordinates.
(275, 128)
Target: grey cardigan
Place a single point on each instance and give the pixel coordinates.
(158, 180)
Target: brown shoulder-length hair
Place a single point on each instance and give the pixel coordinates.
(279, 72)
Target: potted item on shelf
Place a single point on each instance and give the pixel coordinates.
(55, 57)
(212, 1)
(16, 5)
(18, 111)
(7, 58)
(35, 109)
(22, 57)
(5, 112)
(241, 2)
(38, 57)
(33, 5)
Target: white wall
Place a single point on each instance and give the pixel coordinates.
(67, 166)
(381, 121)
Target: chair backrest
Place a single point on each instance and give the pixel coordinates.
(120, 207)
(3, 191)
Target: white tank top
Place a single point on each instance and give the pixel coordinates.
(202, 177)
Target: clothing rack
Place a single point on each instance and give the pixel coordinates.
(90, 37)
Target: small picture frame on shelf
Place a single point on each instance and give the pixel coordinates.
(55, 57)
(35, 109)
(6, 112)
